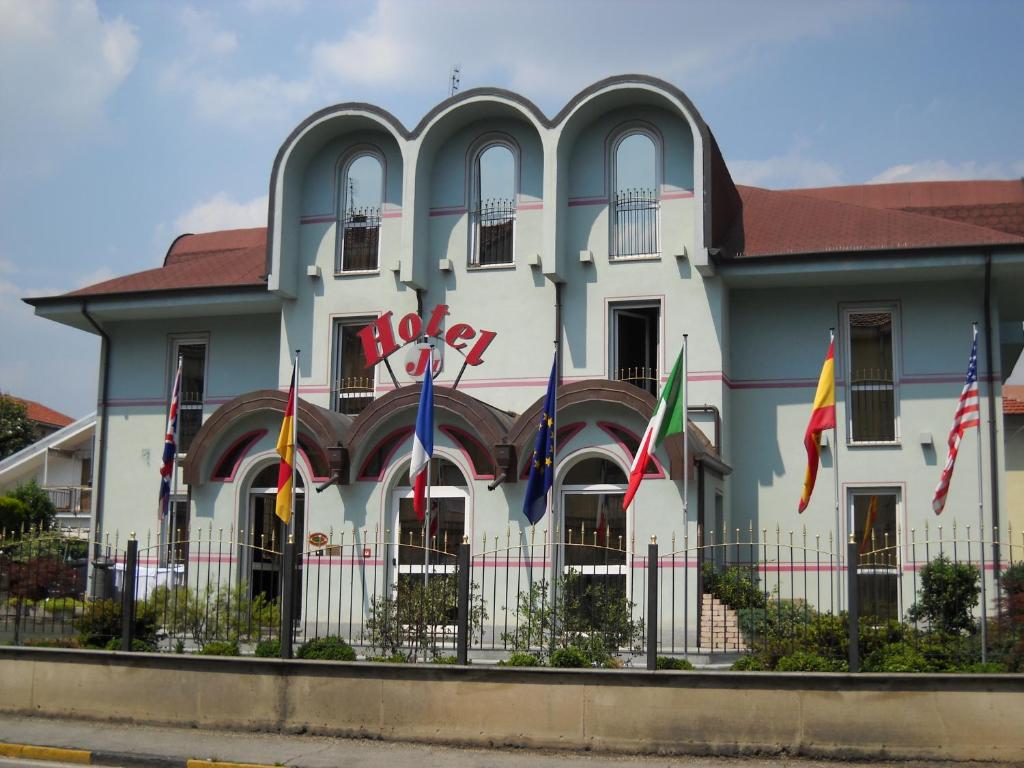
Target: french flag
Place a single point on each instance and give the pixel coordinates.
(423, 445)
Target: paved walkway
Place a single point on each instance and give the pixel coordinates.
(118, 744)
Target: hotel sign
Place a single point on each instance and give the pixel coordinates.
(382, 338)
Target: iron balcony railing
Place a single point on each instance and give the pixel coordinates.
(635, 223)
(353, 394)
(494, 221)
(70, 500)
(640, 376)
(360, 240)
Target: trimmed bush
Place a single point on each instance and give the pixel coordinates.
(947, 596)
(330, 648)
(100, 622)
(805, 661)
(445, 660)
(268, 649)
(736, 586)
(138, 646)
(570, 657)
(671, 662)
(55, 642)
(898, 657)
(522, 659)
(395, 658)
(749, 663)
(220, 648)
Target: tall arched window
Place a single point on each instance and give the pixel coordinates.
(634, 219)
(494, 205)
(361, 196)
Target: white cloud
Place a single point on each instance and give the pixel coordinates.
(941, 170)
(790, 171)
(249, 100)
(59, 64)
(223, 212)
(412, 44)
(273, 6)
(203, 36)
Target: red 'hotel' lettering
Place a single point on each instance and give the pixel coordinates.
(379, 336)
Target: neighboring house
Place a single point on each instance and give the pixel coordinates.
(46, 420)
(1013, 431)
(613, 227)
(61, 463)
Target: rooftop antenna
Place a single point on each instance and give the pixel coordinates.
(453, 81)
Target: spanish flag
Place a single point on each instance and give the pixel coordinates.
(286, 450)
(869, 522)
(823, 416)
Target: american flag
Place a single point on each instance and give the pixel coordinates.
(170, 447)
(968, 415)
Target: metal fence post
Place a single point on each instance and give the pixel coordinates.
(652, 603)
(287, 597)
(128, 594)
(462, 641)
(853, 610)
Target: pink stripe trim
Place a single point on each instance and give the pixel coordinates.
(530, 206)
(677, 195)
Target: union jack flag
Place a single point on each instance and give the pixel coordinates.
(968, 415)
(170, 448)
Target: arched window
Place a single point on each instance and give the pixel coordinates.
(493, 212)
(361, 196)
(634, 203)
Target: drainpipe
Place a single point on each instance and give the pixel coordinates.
(993, 442)
(100, 441)
(558, 334)
(713, 410)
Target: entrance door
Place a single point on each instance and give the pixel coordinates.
(436, 553)
(268, 533)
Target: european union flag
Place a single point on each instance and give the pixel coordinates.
(542, 464)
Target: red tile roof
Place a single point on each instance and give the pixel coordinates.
(1013, 400)
(41, 414)
(229, 259)
(775, 223)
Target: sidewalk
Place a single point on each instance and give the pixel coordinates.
(120, 744)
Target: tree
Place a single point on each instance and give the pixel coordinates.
(948, 594)
(37, 502)
(16, 431)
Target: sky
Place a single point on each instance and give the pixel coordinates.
(124, 124)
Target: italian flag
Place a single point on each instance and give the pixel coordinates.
(669, 419)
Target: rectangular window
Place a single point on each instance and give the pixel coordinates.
(635, 223)
(494, 222)
(874, 514)
(872, 412)
(360, 243)
(633, 357)
(351, 380)
(193, 387)
(174, 533)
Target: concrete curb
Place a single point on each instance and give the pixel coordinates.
(106, 757)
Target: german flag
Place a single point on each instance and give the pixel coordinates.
(286, 450)
(823, 416)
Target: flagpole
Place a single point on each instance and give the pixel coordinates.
(981, 530)
(175, 397)
(686, 436)
(835, 460)
(426, 514)
(295, 439)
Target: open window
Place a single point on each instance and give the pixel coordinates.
(874, 513)
(493, 214)
(361, 196)
(633, 357)
(193, 386)
(351, 381)
(635, 202)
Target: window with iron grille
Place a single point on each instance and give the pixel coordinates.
(351, 381)
(362, 190)
(493, 212)
(872, 415)
(193, 385)
(635, 204)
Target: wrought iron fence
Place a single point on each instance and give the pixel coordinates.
(583, 596)
(494, 222)
(360, 240)
(635, 223)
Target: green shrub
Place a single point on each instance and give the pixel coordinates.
(101, 621)
(445, 660)
(806, 661)
(54, 642)
(947, 596)
(898, 657)
(329, 648)
(63, 605)
(671, 662)
(214, 613)
(138, 646)
(749, 663)
(522, 659)
(394, 658)
(986, 668)
(571, 657)
(737, 586)
(269, 649)
(220, 648)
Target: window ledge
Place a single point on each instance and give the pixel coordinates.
(357, 272)
(637, 257)
(897, 443)
(489, 267)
